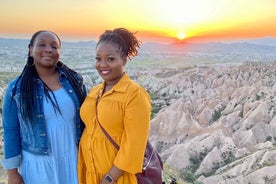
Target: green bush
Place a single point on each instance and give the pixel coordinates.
(217, 114)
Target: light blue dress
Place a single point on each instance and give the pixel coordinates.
(60, 166)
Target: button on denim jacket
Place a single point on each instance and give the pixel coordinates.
(31, 136)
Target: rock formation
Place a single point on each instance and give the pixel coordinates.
(221, 123)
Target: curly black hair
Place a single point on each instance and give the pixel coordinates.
(128, 44)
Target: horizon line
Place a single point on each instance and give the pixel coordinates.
(71, 40)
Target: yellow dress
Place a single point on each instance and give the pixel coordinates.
(124, 112)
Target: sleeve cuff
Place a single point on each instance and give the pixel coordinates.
(11, 163)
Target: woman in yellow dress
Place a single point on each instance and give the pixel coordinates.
(123, 109)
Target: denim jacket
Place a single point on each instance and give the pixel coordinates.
(31, 136)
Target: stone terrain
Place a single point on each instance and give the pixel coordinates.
(216, 121)
(213, 122)
(220, 123)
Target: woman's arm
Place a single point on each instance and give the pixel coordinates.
(14, 177)
(112, 176)
(135, 135)
(11, 127)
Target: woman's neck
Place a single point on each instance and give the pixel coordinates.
(114, 81)
(109, 84)
(51, 79)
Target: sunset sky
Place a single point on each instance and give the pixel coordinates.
(155, 20)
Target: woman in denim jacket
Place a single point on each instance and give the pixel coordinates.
(41, 122)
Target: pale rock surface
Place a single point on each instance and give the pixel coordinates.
(220, 121)
(217, 121)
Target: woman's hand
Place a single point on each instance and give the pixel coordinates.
(14, 177)
(114, 174)
(104, 181)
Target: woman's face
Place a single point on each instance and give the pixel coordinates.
(109, 63)
(45, 50)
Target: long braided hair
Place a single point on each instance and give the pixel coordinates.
(28, 88)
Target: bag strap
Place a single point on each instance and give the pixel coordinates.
(104, 131)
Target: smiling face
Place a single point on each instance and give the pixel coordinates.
(45, 50)
(109, 62)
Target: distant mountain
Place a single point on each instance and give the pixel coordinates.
(153, 45)
(10, 42)
(270, 41)
(214, 47)
(265, 45)
(24, 43)
(90, 44)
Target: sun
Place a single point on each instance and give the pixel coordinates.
(181, 36)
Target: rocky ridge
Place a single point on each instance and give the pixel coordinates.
(216, 121)
(220, 123)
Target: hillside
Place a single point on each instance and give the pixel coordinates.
(213, 118)
(220, 124)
